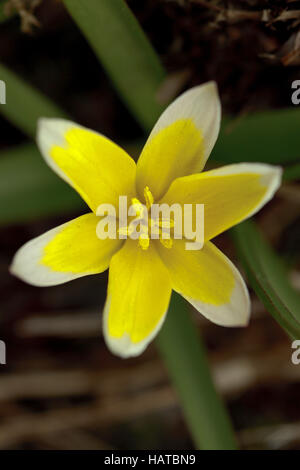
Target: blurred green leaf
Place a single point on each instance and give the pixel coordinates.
(268, 277)
(185, 357)
(24, 104)
(133, 66)
(270, 137)
(29, 189)
(292, 173)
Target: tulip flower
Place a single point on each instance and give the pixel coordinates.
(143, 272)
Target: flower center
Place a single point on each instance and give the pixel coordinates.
(144, 226)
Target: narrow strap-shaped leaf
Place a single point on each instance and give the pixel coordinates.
(29, 189)
(124, 51)
(292, 173)
(185, 357)
(268, 277)
(269, 136)
(24, 104)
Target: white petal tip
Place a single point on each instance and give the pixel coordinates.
(209, 89)
(123, 347)
(233, 314)
(18, 269)
(212, 86)
(46, 125)
(271, 176)
(42, 120)
(12, 270)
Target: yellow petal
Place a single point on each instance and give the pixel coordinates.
(64, 253)
(96, 167)
(181, 140)
(209, 281)
(138, 296)
(230, 194)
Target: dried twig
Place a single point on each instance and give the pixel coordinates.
(99, 414)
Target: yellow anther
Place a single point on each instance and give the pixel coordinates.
(148, 197)
(154, 226)
(138, 207)
(135, 201)
(166, 242)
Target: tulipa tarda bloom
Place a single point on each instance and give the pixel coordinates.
(143, 272)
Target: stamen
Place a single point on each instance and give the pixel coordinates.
(138, 207)
(154, 226)
(148, 197)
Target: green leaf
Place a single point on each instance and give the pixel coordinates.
(24, 105)
(268, 276)
(29, 189)
(185, 357)
(125, 53)
(270, 137)
(292, 173)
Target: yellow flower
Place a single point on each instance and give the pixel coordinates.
(142, 273)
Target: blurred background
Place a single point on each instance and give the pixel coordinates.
(61, 388)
